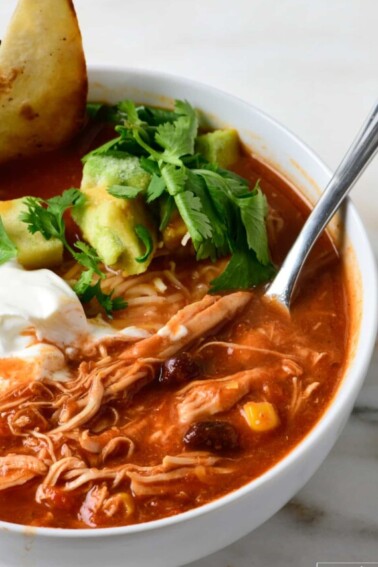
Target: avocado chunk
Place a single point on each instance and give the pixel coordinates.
(33, 251)
(108, 170)
(108, 223)
(221, 147)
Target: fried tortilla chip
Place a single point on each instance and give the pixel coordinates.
(43, 78)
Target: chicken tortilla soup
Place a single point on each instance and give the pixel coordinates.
(142, 372)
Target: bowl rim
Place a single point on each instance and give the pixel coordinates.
(344, 395)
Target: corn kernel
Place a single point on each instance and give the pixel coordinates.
(127, 502)
(261, 416)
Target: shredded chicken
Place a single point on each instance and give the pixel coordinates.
(198, 318)
(105, 444)
(18, 469)
(134, 367)
(146, 481)
(116, 444)
(300, 395)
(73, 473)
(80, 438)
(93, 504)
(208, 397)
(56, 470)
(92, 405)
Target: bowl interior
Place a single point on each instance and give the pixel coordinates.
(275, 145)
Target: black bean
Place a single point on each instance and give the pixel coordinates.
(178, 370)
(212, 435)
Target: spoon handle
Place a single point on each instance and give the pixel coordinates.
(357, 158)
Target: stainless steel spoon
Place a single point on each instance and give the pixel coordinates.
(355, 161)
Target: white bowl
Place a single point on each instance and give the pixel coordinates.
(180, 539)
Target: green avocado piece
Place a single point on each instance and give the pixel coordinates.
(221, 147)
(108, 170)
(33, 251)
(107, 222)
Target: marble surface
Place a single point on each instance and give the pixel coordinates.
(313, 66)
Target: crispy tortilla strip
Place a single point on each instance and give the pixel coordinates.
(43, 79)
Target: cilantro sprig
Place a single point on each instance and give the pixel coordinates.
(222, 215)
(47, 217)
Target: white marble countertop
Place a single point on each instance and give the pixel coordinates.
(314, 67)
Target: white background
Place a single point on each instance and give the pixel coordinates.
(312, 65)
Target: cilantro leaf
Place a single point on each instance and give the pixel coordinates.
(195, 161)
(221, 198)
(174, 178)
(156, 188)
(167, 206)
(177, 138)
(236, 203)
(104, 149)
(242, 272)
(87, 292)
(253, 209)
(128, 107)
(88, 258)
(149, 165)
(100, 112)
(156, 116)
(197, 222)
(235, 184)
(125, 191)
(46, 217)
(60, 203)
(217, 244)
(83, 283)
(118, 303)
(84, 287)
(38, 219)
(145, 236)
(8, 250)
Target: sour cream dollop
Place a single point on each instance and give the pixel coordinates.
(38, 300)
(40, 305)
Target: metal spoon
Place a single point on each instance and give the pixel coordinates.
(355, 161)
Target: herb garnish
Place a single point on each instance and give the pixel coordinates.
(46, 217)
(144, 235)
(222, 215)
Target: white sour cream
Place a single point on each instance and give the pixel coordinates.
(38, 300)
(38, 304)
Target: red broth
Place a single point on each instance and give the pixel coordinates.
(294, 364)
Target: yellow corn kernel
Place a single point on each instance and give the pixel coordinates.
(261, 416)
(127, 502)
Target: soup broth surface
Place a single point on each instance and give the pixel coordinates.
(165, 428)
